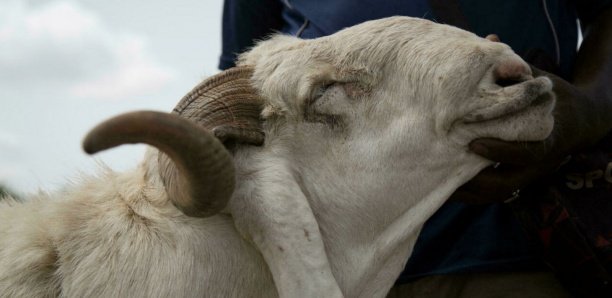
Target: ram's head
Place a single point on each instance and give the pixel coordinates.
(382, 97)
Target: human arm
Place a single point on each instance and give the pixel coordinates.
(583, 115)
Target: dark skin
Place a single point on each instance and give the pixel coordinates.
(583, 116)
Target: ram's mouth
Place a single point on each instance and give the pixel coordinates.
(510, 101)
(520, 112)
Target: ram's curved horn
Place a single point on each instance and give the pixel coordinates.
(225, 104)
(228, 105)
(202, 172)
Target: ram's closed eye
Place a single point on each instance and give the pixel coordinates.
(320, 90)
(329, 105)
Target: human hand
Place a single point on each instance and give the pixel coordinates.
(521, 163)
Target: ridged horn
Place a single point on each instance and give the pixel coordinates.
(202, 172)
(228, 105)
(225, 104)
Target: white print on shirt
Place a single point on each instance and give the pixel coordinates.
(578, 181)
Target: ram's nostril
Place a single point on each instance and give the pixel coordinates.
(505, 82)
(511, 72)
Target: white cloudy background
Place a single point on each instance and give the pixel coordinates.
(65, 65)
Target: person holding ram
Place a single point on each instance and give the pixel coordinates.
(306, 171)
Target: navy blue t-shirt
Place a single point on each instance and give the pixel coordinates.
(458, 238)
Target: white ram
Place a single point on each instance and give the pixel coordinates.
(335, 152)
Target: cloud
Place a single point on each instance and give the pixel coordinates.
(60, 21)
(66, 45)
(135, 74)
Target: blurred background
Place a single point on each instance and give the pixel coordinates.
(66, 65)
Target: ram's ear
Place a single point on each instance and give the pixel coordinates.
(293, 245)
(228, 105)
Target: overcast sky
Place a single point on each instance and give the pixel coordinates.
(66, 65)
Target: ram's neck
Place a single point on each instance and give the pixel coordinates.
(367, 254)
